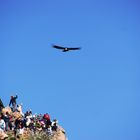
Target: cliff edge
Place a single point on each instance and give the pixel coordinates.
(16, 125)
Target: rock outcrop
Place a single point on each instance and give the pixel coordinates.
(26, 133)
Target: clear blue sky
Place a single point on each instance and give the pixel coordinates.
(94, 92)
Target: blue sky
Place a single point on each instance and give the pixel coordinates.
(94, 92)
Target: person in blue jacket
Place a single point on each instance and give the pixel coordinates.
(13, 102)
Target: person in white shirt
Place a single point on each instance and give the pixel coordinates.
(2, 124)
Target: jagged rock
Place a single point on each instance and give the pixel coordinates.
(60, 134)
(3, 135)
(6, 109)
(16, 115)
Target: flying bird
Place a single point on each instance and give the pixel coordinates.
(65, 49)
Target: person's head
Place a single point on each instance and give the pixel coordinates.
(12, 97)
(30, 112)
(7, 113)
(55, 121)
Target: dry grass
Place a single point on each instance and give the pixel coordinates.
(30, 136)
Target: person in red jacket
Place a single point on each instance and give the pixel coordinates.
(46, 116)
(47, 120)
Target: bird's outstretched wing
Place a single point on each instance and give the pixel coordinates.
(58, 47)
(74, 48)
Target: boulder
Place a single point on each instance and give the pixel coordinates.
(6, 109)
(60, 134)
(3, 135)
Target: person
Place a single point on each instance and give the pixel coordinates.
(19, 124)
(54, 125)
(2, 123)
(49, 130)
(7, 120)
(1, 105)
(19, 109)
(46, 117)
(13, 102)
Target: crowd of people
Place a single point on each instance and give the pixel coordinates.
(25, 121)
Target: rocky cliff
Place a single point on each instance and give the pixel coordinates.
(22, 126)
